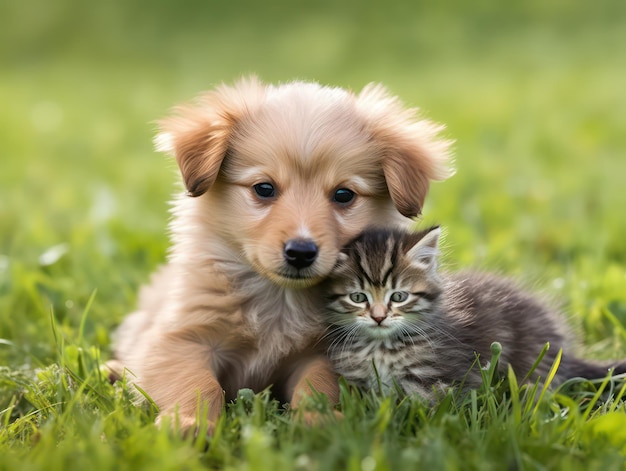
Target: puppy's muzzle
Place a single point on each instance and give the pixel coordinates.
(300, 253)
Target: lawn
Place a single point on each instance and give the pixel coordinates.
(532, 92)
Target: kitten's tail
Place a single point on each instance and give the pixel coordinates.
(579, 368)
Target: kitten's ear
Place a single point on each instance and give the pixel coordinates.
(424, 253)
(341, 265)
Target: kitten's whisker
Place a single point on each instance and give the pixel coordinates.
(345, 337)
(352, 335)
(423, 335)
(405, 330)
(330, 330)
(438, 329)
(339, 333)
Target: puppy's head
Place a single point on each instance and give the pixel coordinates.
(288, 174)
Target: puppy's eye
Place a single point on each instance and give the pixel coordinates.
(264, 190)
(399, 296)
(358, 297)
(343, 196)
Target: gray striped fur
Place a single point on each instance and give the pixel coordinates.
(433, 339)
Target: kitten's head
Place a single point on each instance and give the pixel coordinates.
(385, 284)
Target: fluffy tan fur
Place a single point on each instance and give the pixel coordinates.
(225, 312)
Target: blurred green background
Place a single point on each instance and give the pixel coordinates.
(533, 92)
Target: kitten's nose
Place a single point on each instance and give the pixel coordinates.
(379, 319)
(379, 313)
(300, 253)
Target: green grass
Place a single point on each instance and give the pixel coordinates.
(532, 92)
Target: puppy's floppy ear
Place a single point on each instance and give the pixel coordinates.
(198, 134)
(412, 152)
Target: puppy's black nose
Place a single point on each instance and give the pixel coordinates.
(300, 253)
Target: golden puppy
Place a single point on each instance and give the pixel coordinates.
(278, 179)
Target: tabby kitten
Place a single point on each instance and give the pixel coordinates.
(395, 320)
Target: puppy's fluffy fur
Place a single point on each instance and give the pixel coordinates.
(228, 311)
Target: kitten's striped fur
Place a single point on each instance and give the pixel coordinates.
(395, 320)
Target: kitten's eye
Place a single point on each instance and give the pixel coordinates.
(358, 297)
(399, 296)
(264, 190)
(343, 196)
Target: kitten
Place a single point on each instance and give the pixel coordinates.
(395, 320)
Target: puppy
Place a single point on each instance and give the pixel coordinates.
(278, 179)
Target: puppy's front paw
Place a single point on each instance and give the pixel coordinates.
(186, 425)
(316, 418)
(114, 369)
